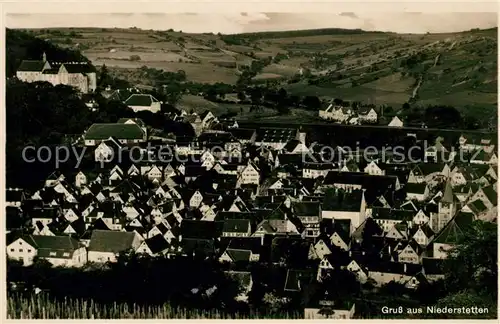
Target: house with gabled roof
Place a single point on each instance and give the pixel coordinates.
(250, 174)
(369, 229)
(358, 269)
(450, 235)
(425, 172)
(297, 280)
(154, 246)
(242, 249)
(81, 75)
(44, 215)
(476, 207)
(295, 146)
(321, 247)
(243, 135)
(367, 114)
(411, 252)
(374, 168)
(207, 118)
(198, 237)
(385, 272)
(422, 234)
(336, 113)
(313, 170)
(395, 122)
(236, 228)
(336, 309)
(482, 157)
(107, 150)
(461, 175)
(123, 133)
(80, 179)
(340, 234)
(143, 102)
(408, 205)
(433, 269)
(417, 191)
(42, 229)
(75, 228)
(309, 214)
(339, 204)
(399, 231)
(58, 250)
(275, 138)
(14, 197)
(54, 178)
(387, 218)
(104, 246)
(275, 226)
(474, 141)
(437, 152)
(420, 218)
(488, 195)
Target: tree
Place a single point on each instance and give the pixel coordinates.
(104, 77)
(241, 96)
(256, 96)
(465, 298)
(472, 263)
(312, 102)
(406, 106)
(173, 93)
(442, 116)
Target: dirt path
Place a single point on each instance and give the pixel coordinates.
(436, 59)
(415, 91)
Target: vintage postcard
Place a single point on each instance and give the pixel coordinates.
(250, 164)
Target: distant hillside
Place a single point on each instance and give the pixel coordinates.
(303, 33)
(21, 45)
(455, 69)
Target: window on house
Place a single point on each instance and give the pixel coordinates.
(11, 250)
(52, 253)
(29, 250)
(20, 250)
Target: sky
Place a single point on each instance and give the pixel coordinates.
(229, 23)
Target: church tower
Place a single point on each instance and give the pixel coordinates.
(447, 207)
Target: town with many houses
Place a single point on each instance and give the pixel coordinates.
(260, 186)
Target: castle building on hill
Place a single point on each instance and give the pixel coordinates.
(81, 75)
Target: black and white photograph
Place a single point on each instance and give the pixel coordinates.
(251, 165)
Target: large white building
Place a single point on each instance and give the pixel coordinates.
(81, 75)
